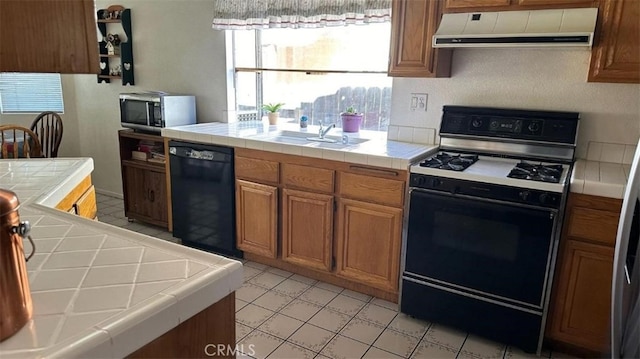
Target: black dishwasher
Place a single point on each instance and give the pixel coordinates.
(203, 197)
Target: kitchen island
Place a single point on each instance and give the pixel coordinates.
(102, 291)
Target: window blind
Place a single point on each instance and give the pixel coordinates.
(264, 14)
(30, 92)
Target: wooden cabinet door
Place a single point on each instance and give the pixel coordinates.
(413, 23)
(156, 196)
(474, 4)
(582, 301)
(48, 36)
(368, 243)
(145, 195)
(256, 218)
(133, 178)
(616, 53)
(307, 229)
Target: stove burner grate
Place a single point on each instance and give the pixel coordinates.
(450, 162)
(536, 172)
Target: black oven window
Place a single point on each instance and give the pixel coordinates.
(484, 237)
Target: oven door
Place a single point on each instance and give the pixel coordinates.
(490, 248)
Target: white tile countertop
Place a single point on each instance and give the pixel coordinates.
(605, 171)
(377, 151)
(604, 179)
(99, 290)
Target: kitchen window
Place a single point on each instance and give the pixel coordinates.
(30, 93)
(315, 72)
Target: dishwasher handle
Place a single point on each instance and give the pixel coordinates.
(199, 154)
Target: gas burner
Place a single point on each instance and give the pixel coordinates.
(537, 172)
(450, 162)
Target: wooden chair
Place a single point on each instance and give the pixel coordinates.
(48, 127)
(19, 142)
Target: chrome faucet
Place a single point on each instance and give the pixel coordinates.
(323, 131)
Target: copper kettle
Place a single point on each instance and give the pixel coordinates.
(15, 296)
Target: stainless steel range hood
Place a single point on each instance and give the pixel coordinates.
(535, 28)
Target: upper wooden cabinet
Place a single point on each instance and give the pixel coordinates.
(452, 4)
(506, 5)
(616, 53)
(413, 23)
(48, 36)
(548, 3)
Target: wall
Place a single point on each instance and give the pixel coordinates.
(548, 79)
(174, 50)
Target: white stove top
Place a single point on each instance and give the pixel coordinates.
(495, 170)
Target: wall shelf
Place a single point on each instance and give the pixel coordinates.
(125, 57)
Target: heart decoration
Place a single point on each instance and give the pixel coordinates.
(127, 66)
(103, 65)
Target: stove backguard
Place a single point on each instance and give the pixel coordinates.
(530, 134)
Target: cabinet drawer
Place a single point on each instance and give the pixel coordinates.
(86, 205)
(256, 169)
(372, 189)
(305, 177)
(593, 224)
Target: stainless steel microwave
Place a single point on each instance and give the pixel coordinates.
(151, 111)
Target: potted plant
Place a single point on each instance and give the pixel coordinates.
(351, 120)
(272, 111)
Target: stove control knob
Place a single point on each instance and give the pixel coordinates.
(493, 124)
(544, 198)
(418, 180)
(433, 182)
(534, 126)
(523, 195)
(476, 123)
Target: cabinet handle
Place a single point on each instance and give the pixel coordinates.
(373, 171)
(152, 196)
(75, 208)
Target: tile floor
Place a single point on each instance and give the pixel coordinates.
(284, 315)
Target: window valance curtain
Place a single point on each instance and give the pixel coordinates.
(263, 14)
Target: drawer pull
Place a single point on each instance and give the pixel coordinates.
(374, 171)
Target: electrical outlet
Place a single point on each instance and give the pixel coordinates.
(418, 102)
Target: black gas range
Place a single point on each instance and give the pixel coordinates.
(484, 222)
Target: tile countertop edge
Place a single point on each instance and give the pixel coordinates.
(119, 335)
(587, 178)
(52, 196)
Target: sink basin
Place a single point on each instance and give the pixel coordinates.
(302, 138)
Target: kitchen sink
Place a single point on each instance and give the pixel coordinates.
(302, 138)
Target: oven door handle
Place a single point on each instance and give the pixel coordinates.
(552, 211)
